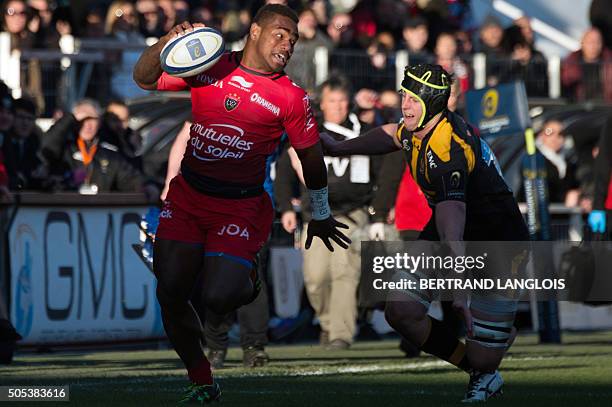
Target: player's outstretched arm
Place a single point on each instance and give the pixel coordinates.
(148, 68)
(322, 225)
(378, 141)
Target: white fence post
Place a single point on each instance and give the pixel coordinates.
(67, 46)
(554, 77)
(5, 55)
(479, 64)
(321, 61)
(10, 71)
(401, 60)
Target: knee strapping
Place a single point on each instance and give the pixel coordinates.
(418, 294)
(491, 334)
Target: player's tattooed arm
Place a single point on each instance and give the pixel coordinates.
(380, 140)
(148, 68)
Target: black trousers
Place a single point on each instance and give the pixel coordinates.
(253, 318)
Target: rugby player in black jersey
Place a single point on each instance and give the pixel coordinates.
(460, 176)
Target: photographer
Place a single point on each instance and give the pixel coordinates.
(84, 163)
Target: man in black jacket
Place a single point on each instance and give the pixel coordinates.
(75, 154)
(563, 186)
(6, 112)
(331, 278)
(20, 149)
(602, 195)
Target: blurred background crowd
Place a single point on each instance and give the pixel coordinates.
(361, 40)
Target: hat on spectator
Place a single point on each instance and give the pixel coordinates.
(491, 20)
(6, 101)
(414, 22)
(25, 104)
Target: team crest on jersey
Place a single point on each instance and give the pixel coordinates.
(231, 101)
(455, 179)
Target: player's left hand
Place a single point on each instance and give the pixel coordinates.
(461, 307)
(325, 230)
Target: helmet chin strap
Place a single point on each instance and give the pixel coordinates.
(424, 124)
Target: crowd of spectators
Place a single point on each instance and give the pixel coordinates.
(362, 37)
(86, 150)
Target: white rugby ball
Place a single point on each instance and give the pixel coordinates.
(192, 53)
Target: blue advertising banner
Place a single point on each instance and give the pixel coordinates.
(75, 277)
(499, 111)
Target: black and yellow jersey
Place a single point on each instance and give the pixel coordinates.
(453, 163)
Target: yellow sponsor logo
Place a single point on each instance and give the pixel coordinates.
(490, 102)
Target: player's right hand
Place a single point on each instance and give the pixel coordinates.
(597, 221)
(180, 29)
(325, 230)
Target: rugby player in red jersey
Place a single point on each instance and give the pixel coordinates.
(216, 215)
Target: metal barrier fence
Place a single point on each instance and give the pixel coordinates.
(567, 224)
(102, 69)
(41, 272)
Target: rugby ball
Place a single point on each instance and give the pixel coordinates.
(192, 53)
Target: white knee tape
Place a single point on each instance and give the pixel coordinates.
(417, 294)
(491, 334)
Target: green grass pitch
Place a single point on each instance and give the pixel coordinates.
(577, 373)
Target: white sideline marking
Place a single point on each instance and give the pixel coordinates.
(327, 371)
